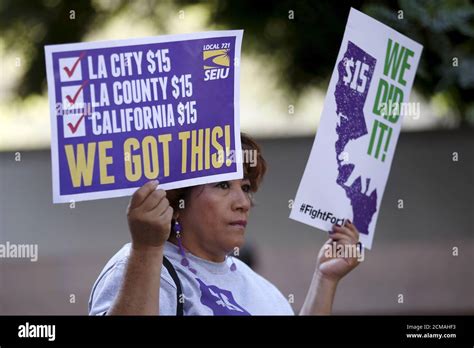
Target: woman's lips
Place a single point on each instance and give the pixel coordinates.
(241, 223)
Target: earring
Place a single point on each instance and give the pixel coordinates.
(233, 267)
(184, 261)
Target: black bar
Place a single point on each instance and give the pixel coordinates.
(315, 330)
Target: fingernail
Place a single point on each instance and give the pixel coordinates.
(155, 182)
(349, 221)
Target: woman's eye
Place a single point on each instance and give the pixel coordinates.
(223, 185)
(246, 188)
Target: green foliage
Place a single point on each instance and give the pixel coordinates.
(301, 37)
(446, 30)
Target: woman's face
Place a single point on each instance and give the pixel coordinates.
(214, 217)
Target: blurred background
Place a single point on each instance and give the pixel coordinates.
(423, 248)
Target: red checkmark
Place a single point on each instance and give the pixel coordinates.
(68, 71)
(74, 128)
(73, 99)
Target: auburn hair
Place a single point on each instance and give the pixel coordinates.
(254, 172)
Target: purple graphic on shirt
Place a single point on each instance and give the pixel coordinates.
(355, 73)
(221, 301)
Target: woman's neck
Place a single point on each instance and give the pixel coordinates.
(198, 250)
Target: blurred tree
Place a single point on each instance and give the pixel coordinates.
(301, 37)
(446, 30)
(30, 25)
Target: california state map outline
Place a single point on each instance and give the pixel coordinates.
(350, 106)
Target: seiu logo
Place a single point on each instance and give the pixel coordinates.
(216, 64)
(220, 301)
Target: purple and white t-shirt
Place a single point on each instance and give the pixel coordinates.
(213, 290)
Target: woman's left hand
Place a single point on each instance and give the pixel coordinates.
(343, 242)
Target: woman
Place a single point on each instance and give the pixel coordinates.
(192, 232)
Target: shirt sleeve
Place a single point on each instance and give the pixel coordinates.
(284, 305)
(107, 286)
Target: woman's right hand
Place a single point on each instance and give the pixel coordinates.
(149, 216)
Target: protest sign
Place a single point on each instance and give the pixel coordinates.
(350, 160)
(129, 111)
